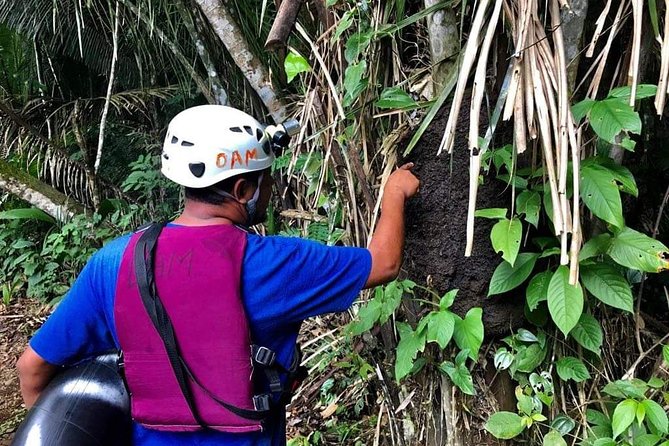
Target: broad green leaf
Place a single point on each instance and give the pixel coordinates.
(563, 424)
(367, 317)
(665, 353)
(354, 82)
(638, 251)
(569, 367)
(503, 359)
(505, 237)
(626, 388)
(595, 246)
(26, 214)
(642, 91)
(468, 332)
(529, 358)
(494, 213)
(565, 301)
(537, 289)
(528, 202)
(604, 441)
(611, 116)
(395, 97)
(656, 416)
(656, 383)
(597, 418)
(504, 425)
(460, 376)
(447, 300)
(640, 413)
(344, 23)
(525, 403)
(410, 344)
(554, 438)
(507, 277)
(526, 335)
(588, 333)
(440, 327)
(581, 109)
(294, 65)
(607, 285)
(356, 45)
(390, 300)
(646, 439)
(623, 416)
(600, 194)
(621, 174)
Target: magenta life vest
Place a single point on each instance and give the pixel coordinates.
(197, 276)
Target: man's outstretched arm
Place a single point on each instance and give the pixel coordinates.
(34, 375)
(387, 242)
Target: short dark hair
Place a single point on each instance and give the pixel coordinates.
(209, 195)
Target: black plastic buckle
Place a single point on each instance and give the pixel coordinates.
(262, 403)
(264, 356)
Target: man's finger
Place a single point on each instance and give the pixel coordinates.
(407, 166)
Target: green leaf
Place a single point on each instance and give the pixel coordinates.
(27, 214)
(411, 342)
(600, 194)
(665, 353)
(607, 285)
(294, 65)
(504, 425)
(604, 441)
(507, 277)
(652, 12)
(638, 251)
(621, 174)
(581, 109)
(357, 44)
(623, 416)
(529, 358)
(565, 301)
(494, 213)
(642, 91)
(528, 202)
(391, 297)
(611, 116)
(468, 332)
(503, 359)
(344, 23)
(595, 246)
(440, 327)
(622, 388)
(655, 382)
(505, 237)
(525, 402)
(537, 289)
(460, 376)
(563, 424)
(597, 418)
(447, 300)
(367, 317)
(656, 416)
(646, 439)
(640, 413)
(395, 97)
(569, 367)
(588, 333)
(353, 81)
(554, 438)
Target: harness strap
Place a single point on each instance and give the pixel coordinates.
(144, 257)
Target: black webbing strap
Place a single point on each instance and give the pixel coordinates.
(144, 261)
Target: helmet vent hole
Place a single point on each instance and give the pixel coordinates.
(187, 144)
(235, 129)
(197, 169)
(174, 140)
(249, 130)
(259, 134)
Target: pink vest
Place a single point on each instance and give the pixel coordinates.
(198, 274)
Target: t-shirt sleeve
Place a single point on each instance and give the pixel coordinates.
(79, 328)
(295, 279)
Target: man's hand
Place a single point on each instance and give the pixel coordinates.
(388, 240)
(402, 181)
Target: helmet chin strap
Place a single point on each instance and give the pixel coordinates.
(251, 205)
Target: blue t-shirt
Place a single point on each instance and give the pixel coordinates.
(284, 281)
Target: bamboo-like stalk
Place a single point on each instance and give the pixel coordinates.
(563, 110)
(598, 30)
(467, 63)
(662, 86)
(633, 72)
(520, 124)
(594, 85)
(576, 235)
(474, 117)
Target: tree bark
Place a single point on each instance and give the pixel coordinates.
(254, 71)
(39, 194)
(444, 34)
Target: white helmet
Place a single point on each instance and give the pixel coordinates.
(209, 143)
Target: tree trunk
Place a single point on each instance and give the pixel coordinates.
(255, 72)
(444, 32)
(39, 194)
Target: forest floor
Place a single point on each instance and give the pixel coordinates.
(18, 321)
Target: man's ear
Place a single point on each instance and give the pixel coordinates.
(241, 189)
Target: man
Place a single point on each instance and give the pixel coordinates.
(223, 157)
